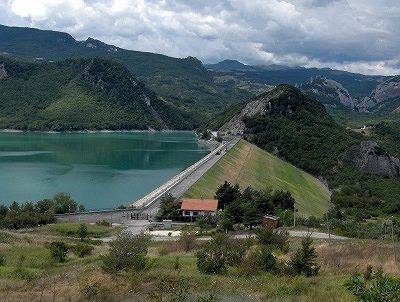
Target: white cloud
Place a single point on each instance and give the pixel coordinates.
(356, 35)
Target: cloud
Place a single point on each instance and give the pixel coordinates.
(356, 35)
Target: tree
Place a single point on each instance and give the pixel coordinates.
(82, 231)
(127, 251)
(304, 260)
(251, 215)
(227, 193)
(169, 207)
(188, 240)
(63, 203)
(283, 200)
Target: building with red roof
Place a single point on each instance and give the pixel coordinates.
(197, 207)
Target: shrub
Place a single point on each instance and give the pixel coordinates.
(2, 260)
(380, 288)
(251, 263)
(82, 250)
(211, 259)
(303, 261)
(127, 251)
(103, 223)
(207, 221)
(188, 240)
(171, 289)
(268, 260)
(82, 231)
(95, 291)
(58, 250)
(273, 238)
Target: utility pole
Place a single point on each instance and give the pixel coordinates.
(294, 216)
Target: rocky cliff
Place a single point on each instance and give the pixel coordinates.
(383, 95)
(369, 157)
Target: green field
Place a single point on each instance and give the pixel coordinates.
(248, 165)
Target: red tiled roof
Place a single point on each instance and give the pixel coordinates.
(208, 205)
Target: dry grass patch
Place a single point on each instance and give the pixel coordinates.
(345, 257)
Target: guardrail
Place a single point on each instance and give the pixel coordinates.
(153, 196)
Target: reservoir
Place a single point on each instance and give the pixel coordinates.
(99, 170)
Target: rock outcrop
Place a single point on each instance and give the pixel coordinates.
(384, 93)
(329, 90)
(369, 157)
(258, 106)
(3, 72)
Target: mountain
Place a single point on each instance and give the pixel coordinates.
(78, 94)
(229, 65)
(384, 98)
(362, 171)
(184, 82)
(334, 88)
(294, 126)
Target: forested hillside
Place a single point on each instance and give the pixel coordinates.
(182, 81)
(80, 94)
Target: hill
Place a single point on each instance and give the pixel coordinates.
(182, 81)
(80, 94)
(248, 165)
(362, 171)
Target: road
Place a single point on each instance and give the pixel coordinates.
(138, 226)
(178, 190)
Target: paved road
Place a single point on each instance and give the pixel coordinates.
(189, 180)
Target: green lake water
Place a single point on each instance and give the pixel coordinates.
(99, 170)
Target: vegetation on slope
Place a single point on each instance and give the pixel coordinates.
(300, 130)
(248, 165)
(80, 94)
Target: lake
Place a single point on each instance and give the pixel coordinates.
(99, 170)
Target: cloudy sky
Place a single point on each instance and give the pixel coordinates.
(355, 35)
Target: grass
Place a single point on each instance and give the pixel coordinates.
(83, 279)
(248, 165)
(71, 229)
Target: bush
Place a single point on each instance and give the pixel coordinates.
(2, 260)
(82, 250)
(188, 240)
(251, 263)
(82, 231)
(303, 261)
(103, 223)
(59, 251)
(211, 259)
(273, 238)
(207, 221)
(127, 251)
(268, 260)
(380, 288)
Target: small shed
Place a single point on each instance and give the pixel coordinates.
(270, 221)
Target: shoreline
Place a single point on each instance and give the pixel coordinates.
(91, 131)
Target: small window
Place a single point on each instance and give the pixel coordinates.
(186, 213)
(195, 213)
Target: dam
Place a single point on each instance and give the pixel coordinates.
(146, 207)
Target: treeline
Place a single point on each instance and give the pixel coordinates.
(28, 214)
